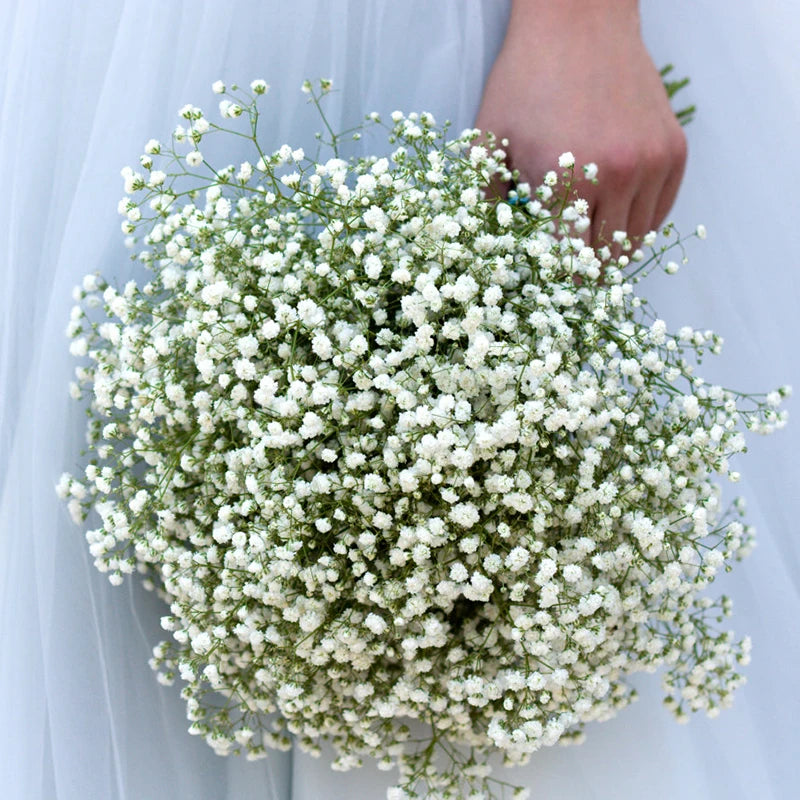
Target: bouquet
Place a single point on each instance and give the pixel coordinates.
(416, 470)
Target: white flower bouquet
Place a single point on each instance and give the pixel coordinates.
(417, 471)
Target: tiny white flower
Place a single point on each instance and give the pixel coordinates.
(376, 624)
(504, 214)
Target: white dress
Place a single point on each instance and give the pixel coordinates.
(84, 86)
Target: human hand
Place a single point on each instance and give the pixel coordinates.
(575, 75)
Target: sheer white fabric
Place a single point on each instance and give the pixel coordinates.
(83, 87)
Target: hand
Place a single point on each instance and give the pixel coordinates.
(575, 75)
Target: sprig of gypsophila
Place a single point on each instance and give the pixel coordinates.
(418, 472)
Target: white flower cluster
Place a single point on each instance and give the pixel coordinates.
(392, 450)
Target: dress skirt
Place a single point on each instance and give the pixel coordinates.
(82, 87)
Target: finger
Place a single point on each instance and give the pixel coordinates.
(667, 197)
(643, 209)
(497, 188)
(611, 214)
(679, 151)
(587, 191)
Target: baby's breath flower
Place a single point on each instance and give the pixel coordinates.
(194, 159)
(386, 457)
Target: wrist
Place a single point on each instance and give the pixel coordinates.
(560, 17)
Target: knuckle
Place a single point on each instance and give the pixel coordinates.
(680, 147)
(656, 156)
(623, 161)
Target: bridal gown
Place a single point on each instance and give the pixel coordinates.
(82, 86)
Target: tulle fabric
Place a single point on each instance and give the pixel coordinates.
(84, 86)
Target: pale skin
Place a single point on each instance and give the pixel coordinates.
(575, 75)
